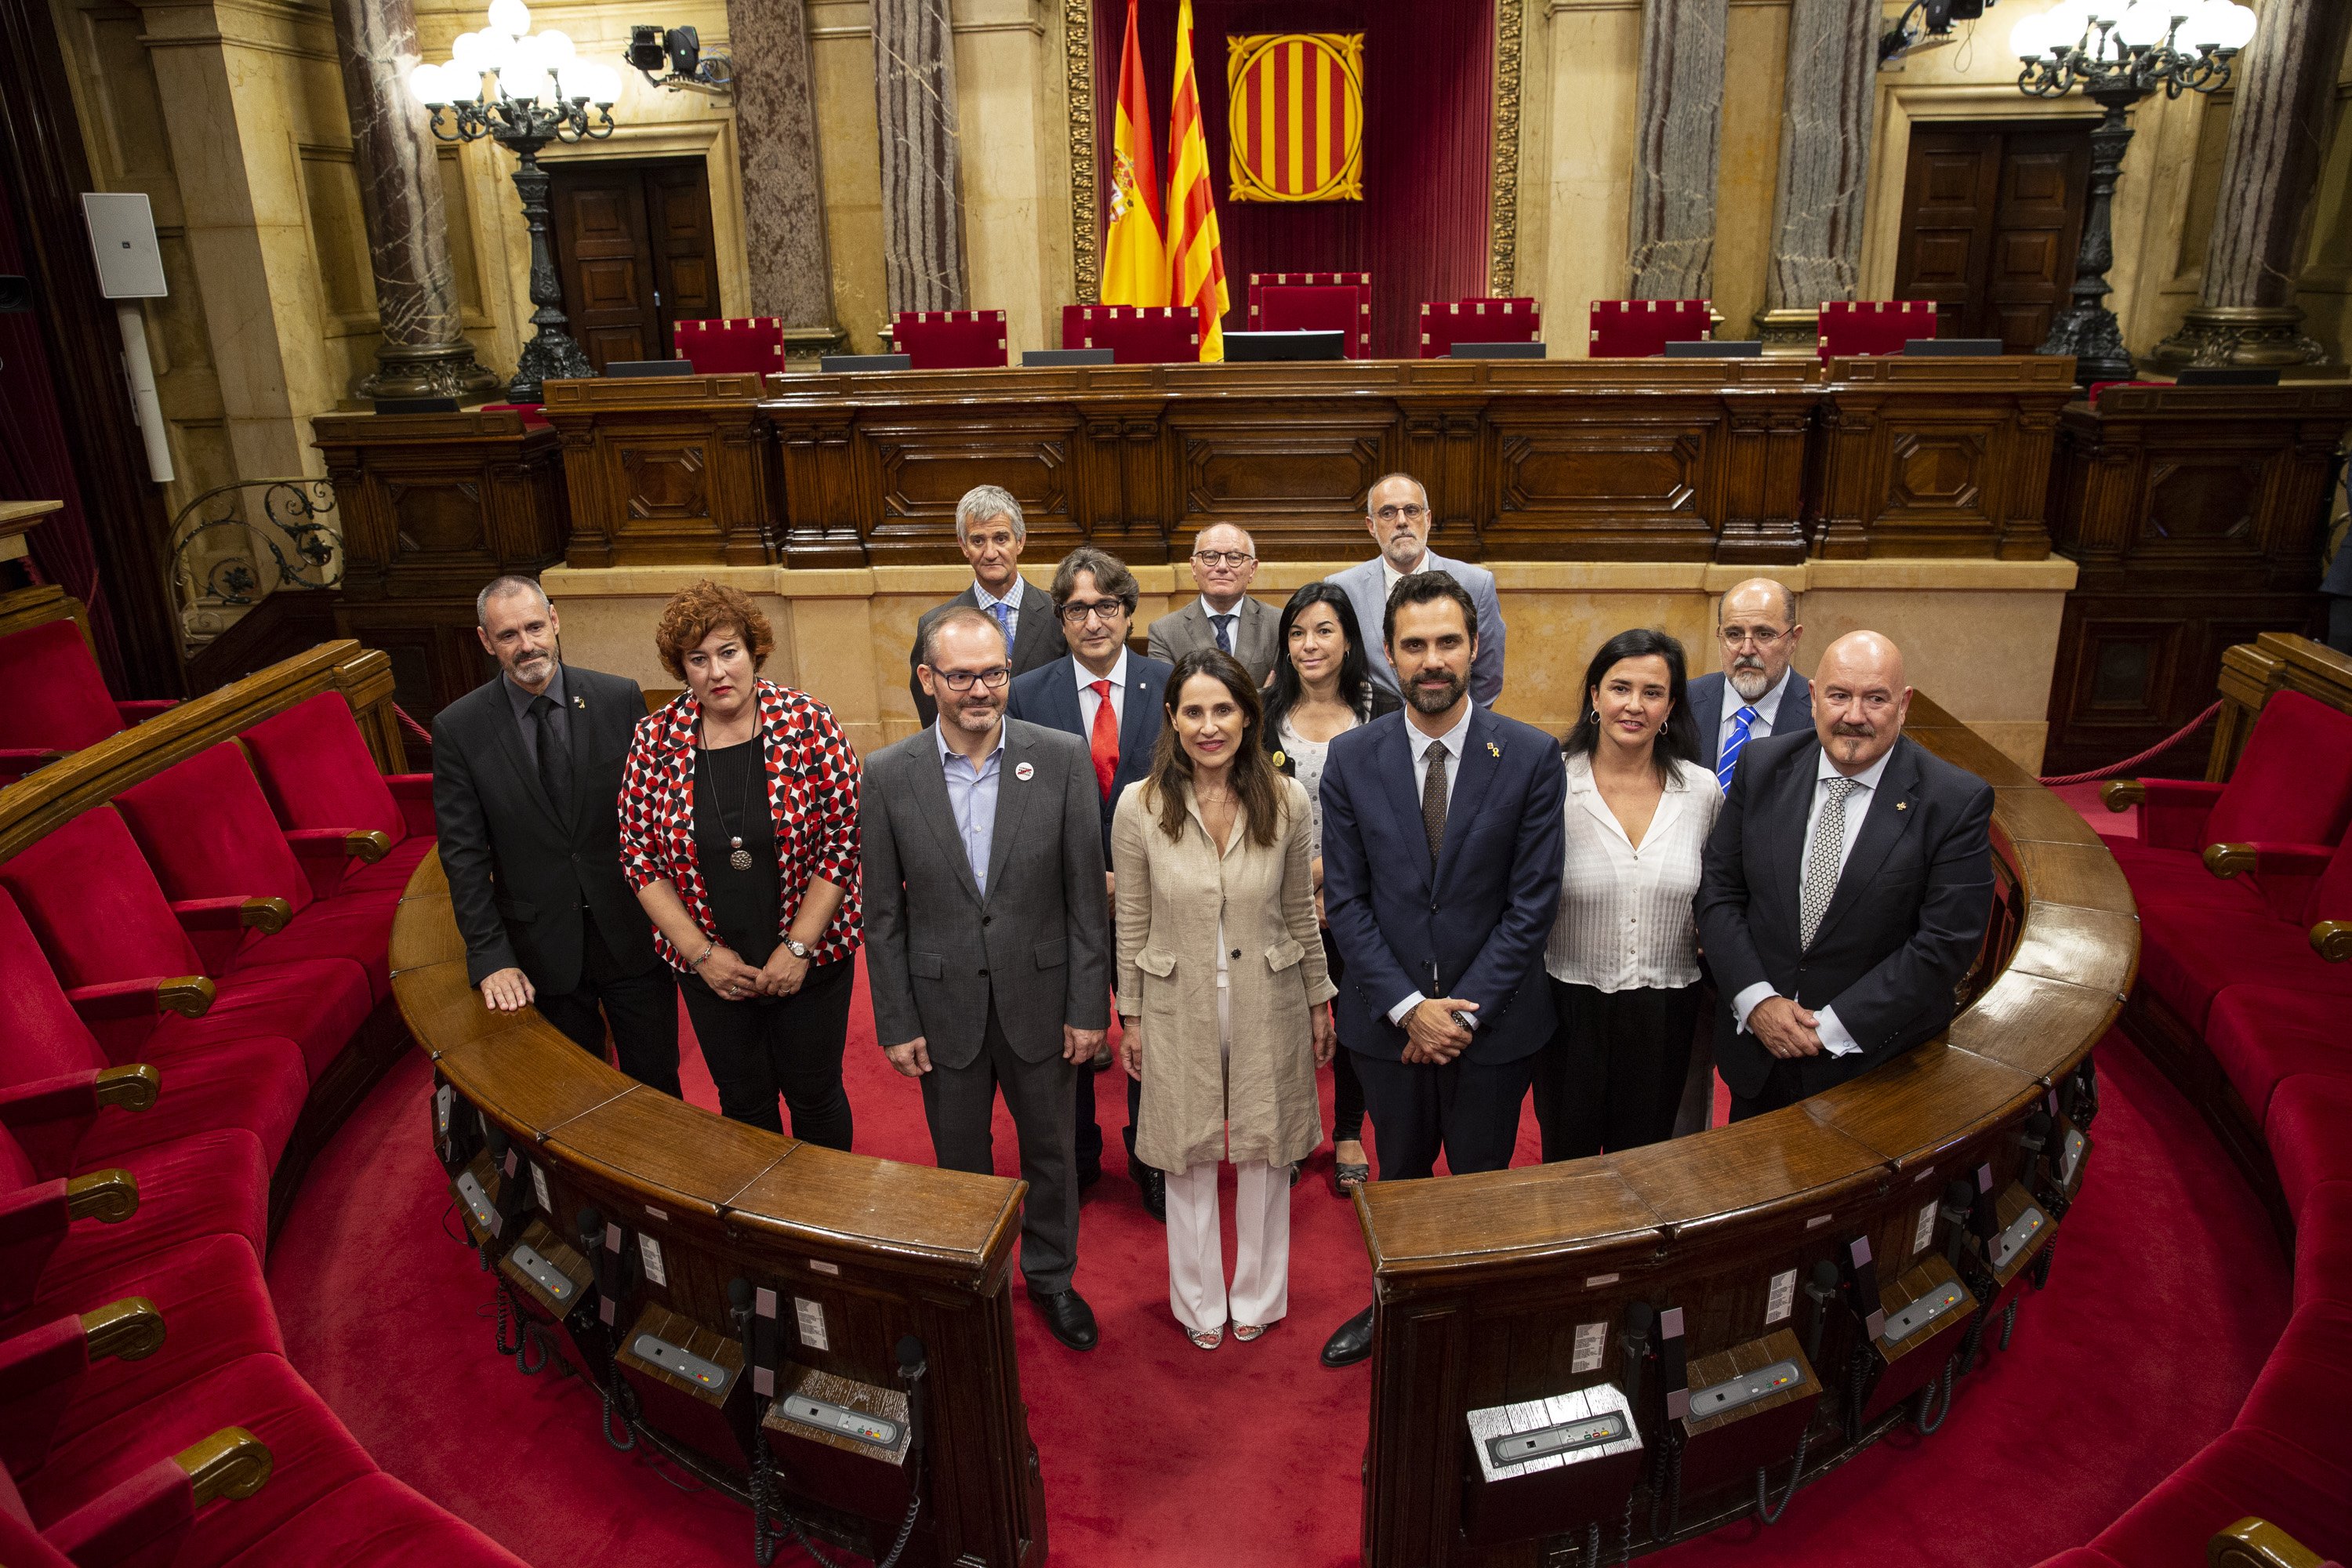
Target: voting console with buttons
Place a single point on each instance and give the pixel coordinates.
(1551, 1466)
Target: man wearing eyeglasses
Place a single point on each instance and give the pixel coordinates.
(1756, 625)
(1111, 700)
(1396, 510)
(985, 930)
(1224, 560)
(990, 533)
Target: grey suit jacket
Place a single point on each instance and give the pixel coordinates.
(935, 951)
(1367, 588)
(1038, 641)
(1181, 631)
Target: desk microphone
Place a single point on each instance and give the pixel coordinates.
(1822, 1288)
(1959, 1199)
(913, 1365)
(2033, 1140)
(1639, 1318)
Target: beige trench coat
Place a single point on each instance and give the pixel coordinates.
(1194, 1110)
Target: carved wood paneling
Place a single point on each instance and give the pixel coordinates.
(664, 470)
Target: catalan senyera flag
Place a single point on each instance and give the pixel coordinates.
(1296, 117)
(1135, 255)
(1196, 259)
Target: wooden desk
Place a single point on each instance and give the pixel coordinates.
(1483, 1282)
(1722, 460)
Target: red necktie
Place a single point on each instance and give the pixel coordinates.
(1103, 743)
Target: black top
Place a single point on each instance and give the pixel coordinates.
(729, 803)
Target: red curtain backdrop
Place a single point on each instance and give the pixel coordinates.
(1421, 228)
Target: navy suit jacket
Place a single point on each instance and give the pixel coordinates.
(1704, 697)
(1902, 927)
(1476, 926)
(1048, 695)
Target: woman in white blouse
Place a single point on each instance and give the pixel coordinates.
(1623, 955)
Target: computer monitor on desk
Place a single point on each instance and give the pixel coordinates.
(1706, 347)
(1254, 348)
(625, 369)
(1496, 350)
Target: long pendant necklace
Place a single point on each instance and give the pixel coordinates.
(741, 858)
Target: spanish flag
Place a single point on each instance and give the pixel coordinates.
(1196, 261)
(1135, 257)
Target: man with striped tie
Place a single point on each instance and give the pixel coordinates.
(1845, 891)
(990, 533)
(1757, 622)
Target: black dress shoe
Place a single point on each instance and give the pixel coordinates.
(1070, 1318)
(1088, 1176)
(1154, 1184)
(1352, 1344)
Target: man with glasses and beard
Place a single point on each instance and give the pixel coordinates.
(526, 786)
(1396, 511)
(1442, 863)
(985, 932)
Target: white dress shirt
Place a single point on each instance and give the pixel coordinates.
(1625, 914)
(1834, 1038)
(1390, 577)
(971, 799)
(1088, 702)
(1767, 708)
(1455, 741)
(1012, 603)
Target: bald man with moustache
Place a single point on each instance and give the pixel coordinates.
(1845, 891)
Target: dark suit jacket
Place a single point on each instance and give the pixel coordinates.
(934, 947)
(1038, 641)
(1049, 696)
(1903, 927)
(1704, 697)
(1477, 928)
(1179, 632)
(519, 878)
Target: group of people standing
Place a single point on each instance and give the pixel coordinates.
(1278, 841)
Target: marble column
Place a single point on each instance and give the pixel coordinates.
(425, 354)
(1679, 123)
(784, 202)
(923, 163)
(1825, 167)
(2245, 313)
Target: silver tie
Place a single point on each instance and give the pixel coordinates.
(1824, 861)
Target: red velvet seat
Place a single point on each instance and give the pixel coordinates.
(1314, 302)
(1134, 334)
(313, 1455)
(100, 915)
(256, 1083)
(215, 1307)
(209, 833)
(321, 782)
(376, 1521)
(1444, 323)
(1872, 326)
(1641, 329)
(2242, 1472)
(2169, 877)
(53, 698)
(2189, 955)
(731, 344)
(2309, 1130)
(2299, 1395)
(950, 340)
(214, 1184)
(2323, 1245)
(2264, 1035)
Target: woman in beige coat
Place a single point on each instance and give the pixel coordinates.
(1221, 986)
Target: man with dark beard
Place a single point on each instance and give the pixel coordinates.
(1441, 859)
(1844, 891)
(1757, 624)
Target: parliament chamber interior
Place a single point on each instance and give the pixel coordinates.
(1667, 684)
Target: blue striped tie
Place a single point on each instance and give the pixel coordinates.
(1003, 614)
(1739, 723)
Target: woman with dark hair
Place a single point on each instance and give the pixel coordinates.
(1623, 955)
(739, 831)
(1221, 992)
(1321, 689)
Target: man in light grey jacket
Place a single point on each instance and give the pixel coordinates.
(985, 936)
(1396, 510)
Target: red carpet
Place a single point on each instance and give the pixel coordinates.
(1155, 1453)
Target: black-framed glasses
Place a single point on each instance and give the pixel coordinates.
(994, 676)
(1222, 557)
(1406, 513)
(1105, 610)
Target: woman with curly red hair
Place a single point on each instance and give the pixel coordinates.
(739, 831)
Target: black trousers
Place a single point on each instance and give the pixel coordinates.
(641, 1008)
(787, 1046)
(960, 1104)
(1781, 1087)
(1082, 1101)
(1347, 1090)
(1468, 1109)
(1611, 1077)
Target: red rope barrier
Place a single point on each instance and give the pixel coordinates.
(2128, 763)
(419, 730)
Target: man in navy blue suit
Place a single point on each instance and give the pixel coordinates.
(1111, 700)
(1442, 846)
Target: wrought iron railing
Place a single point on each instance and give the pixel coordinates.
(221, 537)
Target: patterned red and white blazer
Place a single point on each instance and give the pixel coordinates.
(812, 780)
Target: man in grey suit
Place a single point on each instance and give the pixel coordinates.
(1224, 560)
(986, 947)
(1396, 510)
(992, 535)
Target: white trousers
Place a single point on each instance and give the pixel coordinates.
(1196, 1262)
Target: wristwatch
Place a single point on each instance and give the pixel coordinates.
(797, 949)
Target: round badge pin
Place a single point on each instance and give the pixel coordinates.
(1025, 771)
